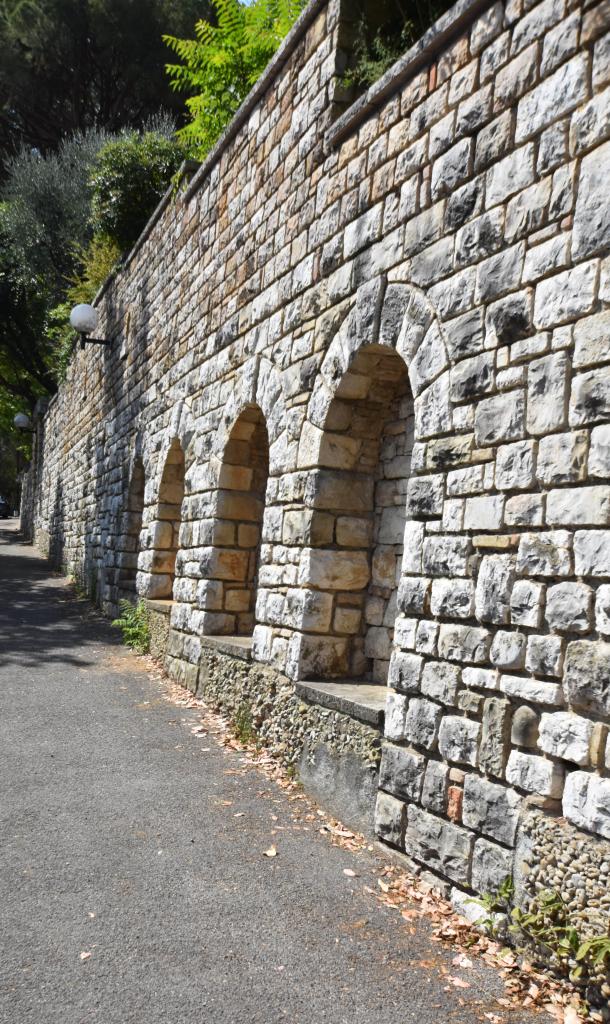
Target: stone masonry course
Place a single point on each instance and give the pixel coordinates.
(355, 417)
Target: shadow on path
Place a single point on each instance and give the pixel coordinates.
(133, 883)
(38, 611)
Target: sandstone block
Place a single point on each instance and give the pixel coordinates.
(434, 790)
(413, 594)
(495, 736)
(440, 681)
(491, 866)
(405, 671)
(480, 678)
(394, 718)
(586, 802)
(463, 643)
(602, 610)
(526, 602)
(599, 451)
(515, 466)
(425, 495)
(590, 397)
(562, 458)
(494, 585)
(510, 175)
(591, 344)
(401, 772)
(592, 213)
(565, 296)
(535, 774)
(458, 740)
(501, 418)
(569, 607)
(587, 676)
(390, 819)
(421, 723)
(452, 598)
(544, 655)
(579, 506)
(524, 688)
(491, 809)
(508, 649)
(310, 610)
(443, 555)
(547, 393)
(566, 735)
(556, 95)
(438, 844)
(592, 552)
(333, 570)
(545, 554)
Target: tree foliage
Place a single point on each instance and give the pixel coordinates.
(220, 66)
(130, 176)
(72, 65)
(384, 30)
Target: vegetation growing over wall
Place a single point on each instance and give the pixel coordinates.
(220, 66)
(382, 31)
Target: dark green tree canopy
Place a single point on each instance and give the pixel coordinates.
(70, 65)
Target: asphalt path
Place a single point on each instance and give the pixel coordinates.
(133, 886)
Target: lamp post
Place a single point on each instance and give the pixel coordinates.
(84, 320)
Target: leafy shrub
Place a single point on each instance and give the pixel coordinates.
(380, 40)
(222, 64)
(98, 260)
(47, 207)
(130, 176)
(133, 623)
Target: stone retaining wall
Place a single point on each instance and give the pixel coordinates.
(398, 314)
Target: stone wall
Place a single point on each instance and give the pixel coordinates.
(409, 299)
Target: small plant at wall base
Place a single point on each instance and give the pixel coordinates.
(243, 724)
(133, 623)
(546, 931)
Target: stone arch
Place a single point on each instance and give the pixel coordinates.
(131, 527)
(385, 374)
(258, 383)
(402, 317)
(163, 533)
(228, 592)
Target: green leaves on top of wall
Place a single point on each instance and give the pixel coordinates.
(130, 176)
(220, 66)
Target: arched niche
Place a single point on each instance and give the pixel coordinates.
(129, 541)
(228, 593)
(164, 531)
(362, 459)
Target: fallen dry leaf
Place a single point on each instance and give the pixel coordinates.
(458, 982)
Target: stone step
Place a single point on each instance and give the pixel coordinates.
(362, 701)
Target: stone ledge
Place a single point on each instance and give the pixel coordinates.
(362, 701)
(235, 646)
(160, 607)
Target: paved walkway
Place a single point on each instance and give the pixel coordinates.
(117, 839)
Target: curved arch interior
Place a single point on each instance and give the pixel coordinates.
(238, 526)
(365, 462)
